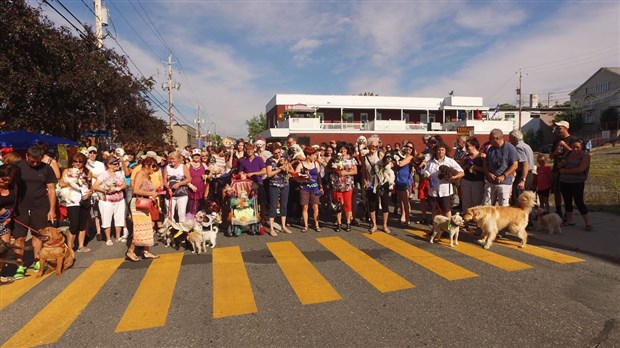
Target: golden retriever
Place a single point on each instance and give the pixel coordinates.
(55, 252)
(492, 219)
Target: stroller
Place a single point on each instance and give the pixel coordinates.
(243, 215)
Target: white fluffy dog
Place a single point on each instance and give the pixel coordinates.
(201, 229)
(552, 221)
(71, 177)
(492, 219)
(442, 224)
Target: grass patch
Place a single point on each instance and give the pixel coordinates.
(602, 192)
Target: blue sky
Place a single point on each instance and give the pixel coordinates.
(233, 56)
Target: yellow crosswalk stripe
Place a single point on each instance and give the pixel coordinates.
(538, 251)
(150, 304)
(8, 294)
(305, 279)
(48, 326)
(368, 268)
(442, 267)
(478, 253)
(232, 292)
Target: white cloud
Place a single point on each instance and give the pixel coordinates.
(489, 18)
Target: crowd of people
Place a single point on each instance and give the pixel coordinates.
(344, 184)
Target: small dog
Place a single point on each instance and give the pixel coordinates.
(73, 178)
(492, 219)
(552, 221)
(55, 252)
(442, 224)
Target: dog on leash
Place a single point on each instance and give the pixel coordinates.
(55, 252)
(551, 221)
(452, 225)
(492, 219)
(201, 229)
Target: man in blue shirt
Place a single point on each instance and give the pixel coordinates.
(499, 166)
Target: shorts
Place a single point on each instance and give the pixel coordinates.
(444, 204)
(346, 198)
(35, 219)
(544, 193)
(309, 197)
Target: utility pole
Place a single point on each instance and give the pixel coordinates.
(520, 94)
(101, 20)
(198, 121)
(169, 86)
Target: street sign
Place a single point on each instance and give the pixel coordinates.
(466, 131)
(96, 133)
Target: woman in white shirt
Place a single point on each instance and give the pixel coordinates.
(442, 188)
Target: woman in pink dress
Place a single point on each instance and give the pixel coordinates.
(197, 186)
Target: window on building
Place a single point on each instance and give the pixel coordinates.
(431, 118)
(364, 117)
(587, 117)
(378, 116)
(347, 117)
(509, 116)
(406, 117)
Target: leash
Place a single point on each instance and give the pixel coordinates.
(33, 231)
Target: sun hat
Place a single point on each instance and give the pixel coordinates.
(91, 148)
(153, 155)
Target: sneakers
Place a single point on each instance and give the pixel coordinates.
(83, 249)
(109, 242)
(20, 273)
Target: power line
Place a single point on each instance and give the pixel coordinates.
(134, 30)
(65, 18)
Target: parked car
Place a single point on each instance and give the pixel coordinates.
(546, 148)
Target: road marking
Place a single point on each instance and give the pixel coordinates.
(368, 268)
(442, 267)
(52, 321)
(8, 294)
(478, 253)
(232, 292)
(150, 303)
(538, 251)
(305, 279)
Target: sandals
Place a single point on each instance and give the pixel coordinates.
(304, 229)
(6, 280)
(131, 256)
(372, 229)
(589, 227)
(347, 228)
(387, 230)
(286, 230)
(273, 233)
(148, 255)
(337, 229)
(317, 228)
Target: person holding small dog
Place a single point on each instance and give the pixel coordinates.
(110, 185)
(143, 220)
(278, 171)
(403, 180)
(342, 171)
(574, 170)
(176, 177)
(78, 208)
(500, 165)
(376, 184)
(472, 184)
(442, 187)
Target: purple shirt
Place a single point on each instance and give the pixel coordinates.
(255, 165)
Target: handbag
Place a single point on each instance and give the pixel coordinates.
(144, 203)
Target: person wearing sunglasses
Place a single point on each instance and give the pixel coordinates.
(78, 203)
(110, 186)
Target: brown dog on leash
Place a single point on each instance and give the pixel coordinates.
(55, 252)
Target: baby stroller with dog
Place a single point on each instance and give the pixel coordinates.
(243, 215)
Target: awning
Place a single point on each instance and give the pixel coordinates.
(22, 140)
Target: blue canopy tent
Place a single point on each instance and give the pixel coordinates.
(22, 140)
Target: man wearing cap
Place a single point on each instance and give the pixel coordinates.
(95, 168)
(560, 148)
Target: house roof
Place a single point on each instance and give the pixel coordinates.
(613, 70)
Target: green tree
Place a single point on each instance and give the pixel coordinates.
(506, 106)
(573, 115)
(55, 82)
(610, 118)
(533, 139)
(256, 125)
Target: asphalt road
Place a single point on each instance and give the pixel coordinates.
(544, 303)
